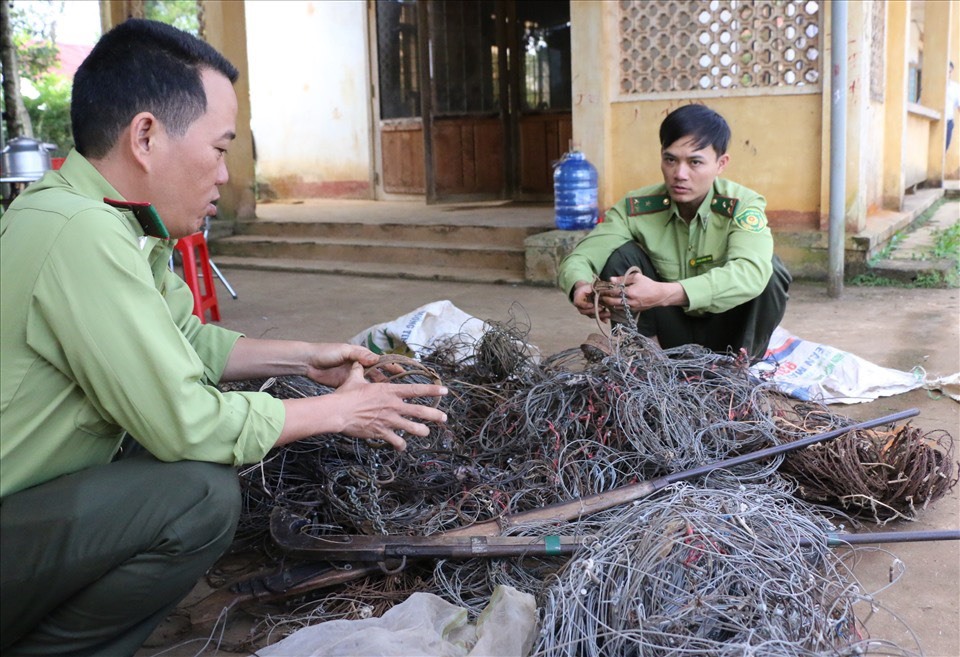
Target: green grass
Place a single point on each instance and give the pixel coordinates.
(888, 248)
(948, 242)
(930, 280)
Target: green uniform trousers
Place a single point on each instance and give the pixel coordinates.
(92, 562)
(747, 326)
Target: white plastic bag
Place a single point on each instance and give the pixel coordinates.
(416, 333)
(811, 371)
(424, 624)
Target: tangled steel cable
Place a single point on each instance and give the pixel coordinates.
(712, 571)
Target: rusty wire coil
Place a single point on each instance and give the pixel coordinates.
(879, 475)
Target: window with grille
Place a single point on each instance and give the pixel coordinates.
(544, 31)
(397, 59)
(696, 48)
(464, 42)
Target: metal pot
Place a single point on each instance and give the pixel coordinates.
(25, 159)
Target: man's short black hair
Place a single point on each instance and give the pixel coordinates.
(141, 66)
(698, 121)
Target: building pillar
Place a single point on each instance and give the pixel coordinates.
(225, 28)
(825, 97)
(592, 25)
(114, 12)
(933, 94)
(858, 115)
(952, 165)
(895, 103)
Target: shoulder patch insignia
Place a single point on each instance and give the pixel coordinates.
(647, 204)
(724, 205)
(751, 219)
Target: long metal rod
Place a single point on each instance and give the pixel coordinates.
(216, 270)
(841, 540)
(838, 147)
(791, 446)
(386, 548)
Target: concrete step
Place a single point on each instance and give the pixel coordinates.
(481, 241)
(910, 258)
(374, 269)
(392, 231)
(806, 252)
(933, 272)
(494, 256)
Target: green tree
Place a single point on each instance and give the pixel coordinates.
(35, 36)
(29, 51)
(50, 111)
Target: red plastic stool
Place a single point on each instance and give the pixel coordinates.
(193, 248)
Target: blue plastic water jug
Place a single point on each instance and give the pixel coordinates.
(575, 192)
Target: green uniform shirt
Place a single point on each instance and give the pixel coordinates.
(97, 337)
(722, 258)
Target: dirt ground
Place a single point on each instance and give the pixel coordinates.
(896, 328)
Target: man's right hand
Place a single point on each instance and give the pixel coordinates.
(584, 302)
(360, 409)
(380, 410)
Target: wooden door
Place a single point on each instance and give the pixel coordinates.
(541, 116)
(464, 128)
(474, 97)
(402, 162)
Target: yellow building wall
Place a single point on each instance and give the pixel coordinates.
(951, 167)
(872, 156)
(781, 139)
(774, 150)
(916, 153)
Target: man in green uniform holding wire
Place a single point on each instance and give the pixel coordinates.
(692, 258)
(98, 340)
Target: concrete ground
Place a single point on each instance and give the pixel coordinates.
(897, 328)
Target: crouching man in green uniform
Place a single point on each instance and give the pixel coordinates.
(98, 340)
(707, 272)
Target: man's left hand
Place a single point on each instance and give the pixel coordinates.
(330, 364)
(327, 363)
(642, 293)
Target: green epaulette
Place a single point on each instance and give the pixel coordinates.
(637, 205)
(724, 205)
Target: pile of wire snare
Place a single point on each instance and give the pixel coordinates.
(727, 570)
(521, 433)
(525, 432)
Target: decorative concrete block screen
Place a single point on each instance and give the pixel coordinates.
(714, 47)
